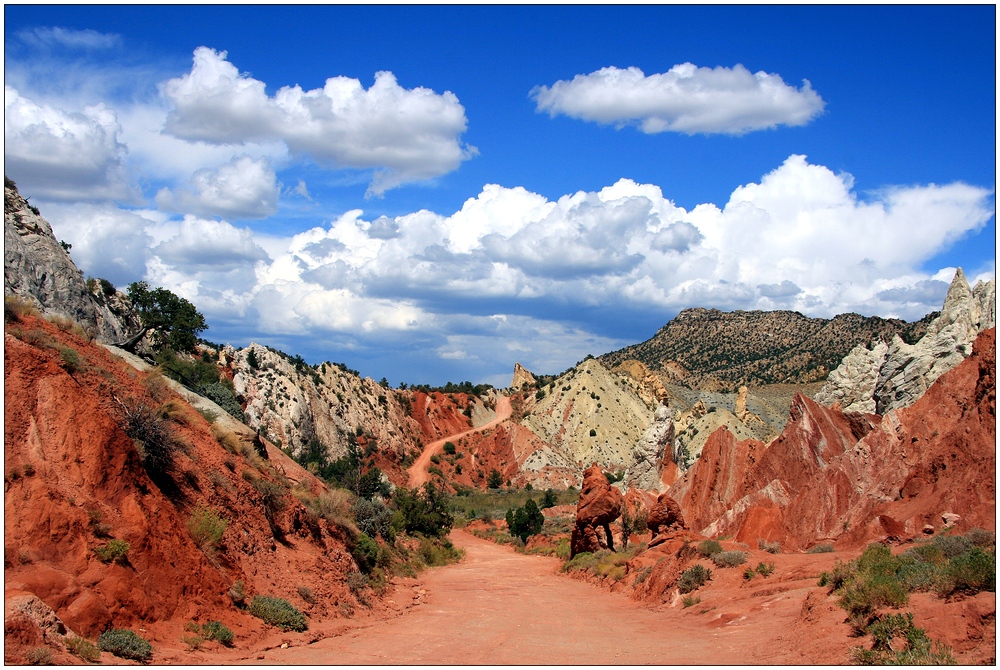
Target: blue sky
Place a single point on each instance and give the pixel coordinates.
(528, 184)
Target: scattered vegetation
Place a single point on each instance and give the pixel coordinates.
(688, 601)
(206, 527)
(125, 643)
(115, 551)
(602, 563)
(15, 308)
(821, 549)
(83, 648)
(729, 559)
(525, 521)
(709, 548)
(154, 439)
(916, 647)
(424, 511)
(693, 578)
(174, 321)
(277, 612)
(769, 547)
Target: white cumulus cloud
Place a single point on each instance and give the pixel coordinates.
(242, 188)
(685, 99)
(402, 134)
(64, 155)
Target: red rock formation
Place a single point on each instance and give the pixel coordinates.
(599, 505)
(856, 477)
(665, 516)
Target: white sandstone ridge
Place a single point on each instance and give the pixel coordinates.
(653, 454)
(590, 415)
(522, 378)
(295, 404)
(894, 375)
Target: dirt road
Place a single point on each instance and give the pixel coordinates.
(418, 471)
(498, 607)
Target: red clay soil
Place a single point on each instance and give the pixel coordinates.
(499, 607)
(74, 480)
(418, 471)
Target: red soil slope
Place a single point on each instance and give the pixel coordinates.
(74, 479)
(854, 478)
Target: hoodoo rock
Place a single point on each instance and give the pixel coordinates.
(665, 516)
(599, 505)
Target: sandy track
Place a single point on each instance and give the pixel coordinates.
(418, 471)
(500, 607)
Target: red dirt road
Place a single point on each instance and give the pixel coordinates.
(498, 607)
(418, 471)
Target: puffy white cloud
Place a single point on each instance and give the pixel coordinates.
(108, 242)
(201, 244)
(242, 188)
(62, 155)
(685, 99)
(402, 134)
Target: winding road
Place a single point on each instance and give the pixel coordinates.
(418, 471)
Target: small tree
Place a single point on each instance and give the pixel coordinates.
(549, 499)
(525, 521)
(495, 479)
(175, 320)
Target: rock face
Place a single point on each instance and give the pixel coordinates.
(852, 478)
(653, 455)
(665, 516)
(39, 269)
(590, 415)
(599, 505)
(895, 375)
(522, 378)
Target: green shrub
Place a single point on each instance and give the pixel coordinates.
(153, 437)
(709, 548)
(71, 359)
(113, 551)
(306, 594)
(39, 656)
(525, 521)
(356, 581)
(125, 643)
(224, 397)
(277, 612)
(981, 538)
(272, 493)
(765, 569)
(214, 630)
(374, 518)
(365, 552)
(425, 512)
(749, 574)
(438, 551)
(970, 572)
(693, 578)
(952, 545)
(206, 527)
(917, 650)
(729, 559)
(688, 601)
(449, 448)
(83, 648)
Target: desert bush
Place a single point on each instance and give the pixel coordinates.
(125, 643)
(83, 648)
(335, 506)
(374, 518)
(769, 547)
(39, 656)
(237, 593)
(356, 581)
(749, 574)
(228, 439)
(709, 548)
(693, 578)
(424, 511)
(689, 601)
(156, 385)
(729, 559)
(115, 551)
(70, 358)
(224, 397)
(306, 594)
(449, 448)
(969, 572)
(365, 552)
(821, 549)
(642, 576)
(153, 438)
(765, 569)
(206, 527)
(525, 521)
(15, 308)
(438, 551)
(981, 538)
(277, 612)
(952, 545)
(272, 494)
(917, 648)
(215, 630)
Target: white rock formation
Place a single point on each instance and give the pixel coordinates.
(649, 453)
(895, 375)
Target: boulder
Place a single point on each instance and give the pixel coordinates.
(665, 515)
(600, 504)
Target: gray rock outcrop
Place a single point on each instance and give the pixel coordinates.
(37, 268)
(522, 378)
(648, 454)
(895, 375)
